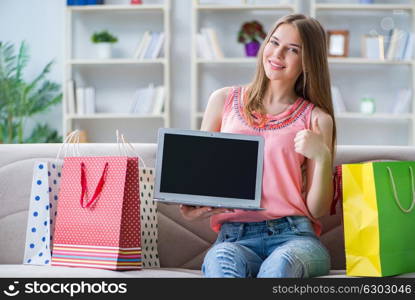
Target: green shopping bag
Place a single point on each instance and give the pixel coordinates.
(379, 218)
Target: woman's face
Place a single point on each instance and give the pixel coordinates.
(282, 54)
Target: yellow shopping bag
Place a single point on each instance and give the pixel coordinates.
(379, 218)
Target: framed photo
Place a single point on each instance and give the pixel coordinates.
(338, 43)
(372, 47)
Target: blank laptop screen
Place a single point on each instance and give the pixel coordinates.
(209, 166)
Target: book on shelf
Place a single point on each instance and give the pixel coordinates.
(149, 100)
(71, 99)
(143, 42)
(159, 100)
(202, 47)
(89, 100)
(150, 45)
(403, 103)
(213, 41)
(338, 103)
(400, 45)
(158, 46)
(143, 100)
(409, 47)
(80, 101)
(208, 45)
(85, 100)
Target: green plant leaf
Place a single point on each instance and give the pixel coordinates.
(42, 133)
(103, 37)
(20, 99)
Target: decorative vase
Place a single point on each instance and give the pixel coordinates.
(104, 50)
(251, 48)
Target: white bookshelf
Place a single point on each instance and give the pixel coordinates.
(116, 79)
(382, 127)
(204, 71)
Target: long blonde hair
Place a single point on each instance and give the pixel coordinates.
(313, 84)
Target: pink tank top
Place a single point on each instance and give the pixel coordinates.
(283, 192)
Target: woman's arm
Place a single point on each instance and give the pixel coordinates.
(212, 119)
(316, 144)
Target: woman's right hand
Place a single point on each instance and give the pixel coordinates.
(194, 213)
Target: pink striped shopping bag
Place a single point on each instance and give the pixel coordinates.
(98, 222)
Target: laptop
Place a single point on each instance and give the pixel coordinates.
(216, 169)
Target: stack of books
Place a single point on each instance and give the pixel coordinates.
(208, 46)
(148, 101)
(400, 45)
(150, 46)
(81, 100)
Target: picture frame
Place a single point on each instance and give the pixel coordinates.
(338, 43)
(373, 47)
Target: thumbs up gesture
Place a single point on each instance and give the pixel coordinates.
(310, 143)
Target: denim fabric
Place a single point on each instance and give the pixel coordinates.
(285, 247)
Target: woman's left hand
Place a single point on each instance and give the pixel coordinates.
(310, 143)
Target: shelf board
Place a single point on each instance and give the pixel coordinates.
(227, 60)
(361, 60)
(340, 60)
(330, 6)
(244, 7)
(118, 61)
(107, 7)
(114, 116)
(386, 116)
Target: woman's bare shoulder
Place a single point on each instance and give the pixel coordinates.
(219, 96)
(322, 116)
(213, 113)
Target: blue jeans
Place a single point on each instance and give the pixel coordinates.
(285, 247)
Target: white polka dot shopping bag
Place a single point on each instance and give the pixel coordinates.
(42, 212)
(149, 219)
(98, 221)
(44, 196)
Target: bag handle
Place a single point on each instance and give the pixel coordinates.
(70, 138)
(124, 145)
(98, 189)
(395, 194)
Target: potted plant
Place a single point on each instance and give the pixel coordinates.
(250, 34)
(20, 99)
(103, 41)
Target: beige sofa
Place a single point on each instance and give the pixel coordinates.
(182, 245)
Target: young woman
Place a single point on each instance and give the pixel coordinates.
(289, 104)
